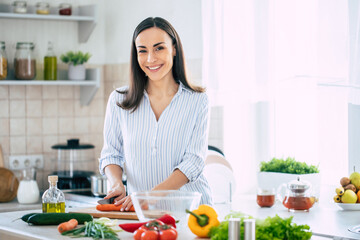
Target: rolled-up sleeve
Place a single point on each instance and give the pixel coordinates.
(113, 150)
(193, 161)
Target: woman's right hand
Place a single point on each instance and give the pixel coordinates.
(117, 190)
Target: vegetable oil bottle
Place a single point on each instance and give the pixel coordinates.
(53, 199)
(50, 64)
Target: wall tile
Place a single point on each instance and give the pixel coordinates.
(34, 145)
(17, 145)
(50, 108)
(4, 108)
(33, 108)
(17, 127)
(77, 93)
(96, 124)
(17, 92)
(34, 126)
(17, 108)
(82, 125)
(33, 92)
(66, 126)
(4, 92)
(66, 108)
(80, 110)
(66, 92)
(48, 142)
(4, 127)
(49, 126)
(97, 108)
(49, 92)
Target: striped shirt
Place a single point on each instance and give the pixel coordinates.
(150, 150)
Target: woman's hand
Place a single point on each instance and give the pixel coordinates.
(126, 202)
(118, 191)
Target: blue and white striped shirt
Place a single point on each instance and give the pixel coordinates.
(151, 150)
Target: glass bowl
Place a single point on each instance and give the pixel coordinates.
(151, 205)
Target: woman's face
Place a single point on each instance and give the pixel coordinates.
(155, 53)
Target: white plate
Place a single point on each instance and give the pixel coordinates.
(355, 229)
(349, 206)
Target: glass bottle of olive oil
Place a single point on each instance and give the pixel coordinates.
(53, 199)
(50, 64)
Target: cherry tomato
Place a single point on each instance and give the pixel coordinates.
(167, 232)
(137, 233)
(150, 235)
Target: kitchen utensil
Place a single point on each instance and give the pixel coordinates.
(349, 206)
(106, 201)
(99, 185)
(8, 185)
(28, 191)
(75, 164)
(355, 229)
(150, 205)
(298, 195)
(113, 214)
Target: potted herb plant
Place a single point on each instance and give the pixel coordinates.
(76, 61)
(277, 172)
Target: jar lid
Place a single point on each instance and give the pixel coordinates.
(65, 5)
(42, 4)
(298, 185)
(25, 45)
(19, 3)
(73, 144)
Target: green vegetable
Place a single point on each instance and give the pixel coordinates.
(272, 228)
(76, 58)
(55, 218)
(287, 166)
(96, 230)
(26, 217)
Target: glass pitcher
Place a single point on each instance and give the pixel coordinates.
(298, 195)
(28, 191)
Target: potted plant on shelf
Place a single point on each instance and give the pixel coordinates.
(279, 171)
(76, 61)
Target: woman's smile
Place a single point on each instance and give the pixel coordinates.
(154, 68)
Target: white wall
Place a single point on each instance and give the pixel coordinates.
(122, 17)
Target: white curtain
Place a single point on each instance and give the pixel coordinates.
(279, 69)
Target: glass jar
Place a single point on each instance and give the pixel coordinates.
(50, 63)
(53, 199)
(42, 8)
(24, 62)
(28, 191)
(3, 61)
(265, 197)
(20, 7)
(65, 9)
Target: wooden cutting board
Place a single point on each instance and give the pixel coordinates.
(113, 214)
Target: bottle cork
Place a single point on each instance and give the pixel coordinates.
(52, 178)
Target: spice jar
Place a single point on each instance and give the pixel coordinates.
(20, 7)
(24, 62)
(42, 8)
(3, 61)
(65, 9)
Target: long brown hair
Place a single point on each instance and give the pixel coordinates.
(138, 79)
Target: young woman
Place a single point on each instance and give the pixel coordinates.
(156, 129)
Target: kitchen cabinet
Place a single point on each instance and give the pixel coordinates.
(84, 16)
(88, 87)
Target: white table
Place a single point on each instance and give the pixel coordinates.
(324, 219)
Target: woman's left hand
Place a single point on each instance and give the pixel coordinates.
(126, 203)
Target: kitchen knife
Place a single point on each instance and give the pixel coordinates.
(107, 201)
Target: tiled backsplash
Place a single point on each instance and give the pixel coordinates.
(33, 118)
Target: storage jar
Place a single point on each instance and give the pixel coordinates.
(24, 62)
(65, 9)
(3, 61)
(20, 7)
(42, 8)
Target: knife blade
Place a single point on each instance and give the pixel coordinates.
(107, 201)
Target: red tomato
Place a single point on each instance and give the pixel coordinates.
(137, 233)
(150, 235)
(154, 223)
(167, 233)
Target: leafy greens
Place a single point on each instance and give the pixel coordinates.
(287, 166)
(271, 228)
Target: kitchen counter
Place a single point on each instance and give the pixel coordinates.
(325, 220)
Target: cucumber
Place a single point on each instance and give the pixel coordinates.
(57, 218)
(26, 217)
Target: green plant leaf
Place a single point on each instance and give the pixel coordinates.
(76, 58)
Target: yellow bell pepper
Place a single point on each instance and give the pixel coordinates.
(202, 219)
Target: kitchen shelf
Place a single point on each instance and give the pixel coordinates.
(85, 16)
(88, 87)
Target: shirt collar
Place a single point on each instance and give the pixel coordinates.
(181, 88)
